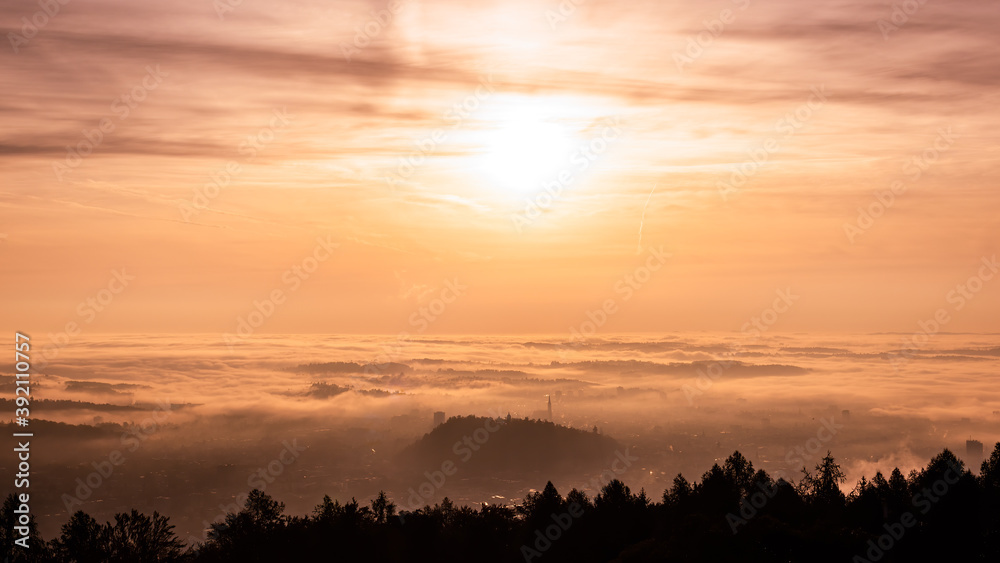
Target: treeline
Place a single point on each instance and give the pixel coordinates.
(735, 513)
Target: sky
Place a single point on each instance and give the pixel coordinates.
(241, 168)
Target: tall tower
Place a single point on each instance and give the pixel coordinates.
(550, 407)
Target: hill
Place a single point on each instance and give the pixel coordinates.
(488, 447)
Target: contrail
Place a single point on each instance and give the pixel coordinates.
(638, 249)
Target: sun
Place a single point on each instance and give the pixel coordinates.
(524, 151)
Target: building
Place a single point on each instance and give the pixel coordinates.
(438, 418)
(545, 414)
(973, 454)
(974, 447)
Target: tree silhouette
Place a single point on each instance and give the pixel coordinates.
(989, 477)
(824, 487)
(13, 553)
(989, 472)
(941, 511)
(382, 508)
(679, 493)
(539, 506)
(249, 532)
(83, 540)
(579, 498)
(137, 537)
(739, 471)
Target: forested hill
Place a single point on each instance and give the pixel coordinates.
(487, 447)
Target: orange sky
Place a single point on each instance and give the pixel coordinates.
(419, 141)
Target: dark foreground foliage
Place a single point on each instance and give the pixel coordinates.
(734, 513)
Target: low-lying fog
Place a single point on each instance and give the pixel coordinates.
(186, 425)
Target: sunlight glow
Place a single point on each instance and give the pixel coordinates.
(523, 152)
